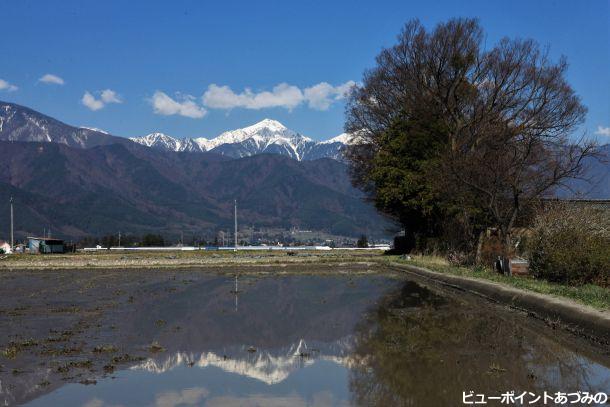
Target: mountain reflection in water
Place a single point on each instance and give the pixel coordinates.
(320, 340)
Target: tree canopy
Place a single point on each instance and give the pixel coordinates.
(446, 130)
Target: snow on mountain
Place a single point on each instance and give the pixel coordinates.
(343, 138)
(264, 133)
(19, 123)
(165, 142)
(267, 366)
(94, 129)
(267, 136)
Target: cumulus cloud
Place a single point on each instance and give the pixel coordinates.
(320, 96)
(185, 106)
(189, 397)
(603, 131)
(107, 96)
(91, 102)
(4, 85)
(282, 95)
(319, 399)
(51, 79)
(110, 96)
(95, 402)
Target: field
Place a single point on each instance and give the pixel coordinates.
(184, 259)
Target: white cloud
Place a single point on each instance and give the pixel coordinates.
(95, 402)
(189, 397)
(91, 102)
(106, 96)
(342, 91)
(603, 131)
(4, 85)
(110, 96)
(165, 105)
(51, 79)
(319, 399)
(282, 95)
(320, 96)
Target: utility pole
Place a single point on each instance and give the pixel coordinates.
(12, 230)
(119, 238)
(235, 225)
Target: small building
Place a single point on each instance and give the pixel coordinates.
(5, 247)
(45, 245)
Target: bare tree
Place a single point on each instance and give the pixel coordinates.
(508, 112)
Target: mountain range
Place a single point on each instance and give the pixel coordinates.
(80, 182)
(266, 136)
(19, 123)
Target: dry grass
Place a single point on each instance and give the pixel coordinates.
(589, 294)
(181, 259)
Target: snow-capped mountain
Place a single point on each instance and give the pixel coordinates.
(19, 123)
(267, 136)
(165, 142)
(267, 366)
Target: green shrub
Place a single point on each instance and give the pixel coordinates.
(571, 244)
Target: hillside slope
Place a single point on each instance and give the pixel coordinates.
(135, 189)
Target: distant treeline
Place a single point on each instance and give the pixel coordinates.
(130, 240)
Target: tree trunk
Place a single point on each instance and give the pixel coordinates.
(477, 258)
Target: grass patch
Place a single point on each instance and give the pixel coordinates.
(13, 348)
(10, 352)
(105, 349)
(126, 358)
(155, 347)
(175, 259)
(65, 351)
(589, 294)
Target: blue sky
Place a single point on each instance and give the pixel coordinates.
(282, 60)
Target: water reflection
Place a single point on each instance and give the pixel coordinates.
(316, 340)
(289, 339)
(417, 349)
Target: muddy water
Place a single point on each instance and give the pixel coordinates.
(126, 338)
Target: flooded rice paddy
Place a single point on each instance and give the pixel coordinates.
(187, 338)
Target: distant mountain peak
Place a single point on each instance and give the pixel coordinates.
(266, 136)
(164, 142)
(20, 123)
(266, 130)
(269, 136)
(343, 138)
(268, 123)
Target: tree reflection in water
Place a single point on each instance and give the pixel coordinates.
(417, 348)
